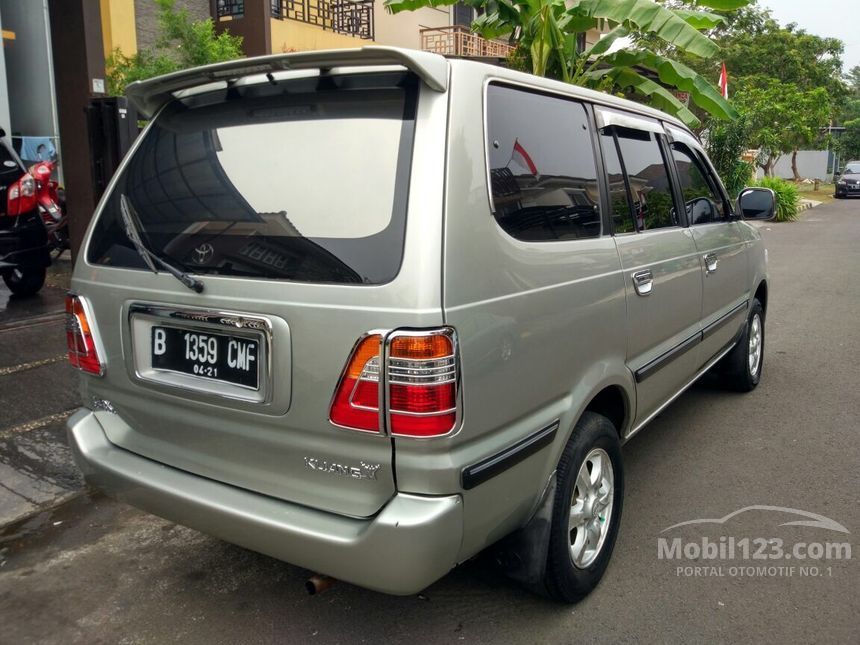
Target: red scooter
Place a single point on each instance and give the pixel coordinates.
(52, 205)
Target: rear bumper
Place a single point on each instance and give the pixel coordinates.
(412, 542)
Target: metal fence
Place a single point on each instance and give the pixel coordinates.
(349, 17)
(457, 40)
(232, 8)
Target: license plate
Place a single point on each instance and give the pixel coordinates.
(220, 357)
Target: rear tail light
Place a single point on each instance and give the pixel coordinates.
(421, 378)
(79, 337)
(356, 400)
(21, 196)
(422, 383)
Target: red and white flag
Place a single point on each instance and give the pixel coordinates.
(519, 153)
(724, 82)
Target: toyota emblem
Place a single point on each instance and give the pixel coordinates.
(203, 253)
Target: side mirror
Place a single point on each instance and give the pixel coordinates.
(2, 133)
(757, 203)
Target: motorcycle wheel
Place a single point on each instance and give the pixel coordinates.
(25, 282)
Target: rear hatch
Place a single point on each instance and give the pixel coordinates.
(288, 200)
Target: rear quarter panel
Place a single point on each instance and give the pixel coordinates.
(542, 328)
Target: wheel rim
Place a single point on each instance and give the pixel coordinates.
(755, 345)
(591, 508)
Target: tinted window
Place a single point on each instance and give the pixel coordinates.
(298, 180)
(622, 213)
(648, 178)
(542, 170)
(702, 202)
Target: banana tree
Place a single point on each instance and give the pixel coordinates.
(545, 32)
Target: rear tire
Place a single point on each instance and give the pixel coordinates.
(586, 512)
(741, 369)
(25, 282)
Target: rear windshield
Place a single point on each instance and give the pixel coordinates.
(299, 180)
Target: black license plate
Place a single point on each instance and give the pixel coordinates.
(221, 357)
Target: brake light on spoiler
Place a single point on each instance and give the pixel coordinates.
(420, 380)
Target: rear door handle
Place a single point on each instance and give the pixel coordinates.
(711, 262)
(643, 282)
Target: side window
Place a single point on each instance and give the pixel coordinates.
(543, 177)
(648, 178)
(622, 213)
(703, 203)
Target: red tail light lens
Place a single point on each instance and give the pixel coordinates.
(79, 338)
(21, 196)
(421, 379)
(356, 400)
(422, 383)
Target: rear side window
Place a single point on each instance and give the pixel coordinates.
(301, 180)
(648, 178)
(543, 178)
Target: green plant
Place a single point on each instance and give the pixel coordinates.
(726, 143)
(545, 35)
(787, 197)
(183, 43)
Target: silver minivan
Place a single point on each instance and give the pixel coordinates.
(373, 311)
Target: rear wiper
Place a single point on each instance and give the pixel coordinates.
(130, 219)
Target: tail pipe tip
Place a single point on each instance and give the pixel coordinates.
(318, 583)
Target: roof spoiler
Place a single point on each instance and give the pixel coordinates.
(149, 95)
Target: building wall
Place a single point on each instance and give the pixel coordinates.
(811, 164)
(4, 95)
(118, 29)
(403, 29)
(29, 78)
(146, 17)
(292, 35)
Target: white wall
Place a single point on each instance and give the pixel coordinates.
(28, 69)
(403, 29)
(4, 92)
(811, 164)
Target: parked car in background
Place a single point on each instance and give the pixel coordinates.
(848, 183)
(425, 329)
(24, 252)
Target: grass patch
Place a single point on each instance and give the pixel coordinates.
(823, 194)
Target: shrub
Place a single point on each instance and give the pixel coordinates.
(726, 142)
(787, 197)
(183, 43)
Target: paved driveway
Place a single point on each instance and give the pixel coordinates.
(97, 571)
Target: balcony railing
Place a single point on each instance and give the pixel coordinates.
(457, 40)
(349, 17)
(231, 8)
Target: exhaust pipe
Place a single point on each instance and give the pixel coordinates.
(318, 583)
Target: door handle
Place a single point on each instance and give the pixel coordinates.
(711, 262)
(643, 282)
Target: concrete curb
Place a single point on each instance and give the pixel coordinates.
(806, 204)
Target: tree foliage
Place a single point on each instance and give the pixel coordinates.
(782, 116)
(849, 141)
(184, 43)
(545, 34)
(726, 143)
(774, 71)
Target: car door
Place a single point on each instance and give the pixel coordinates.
(720, 243)
(662, 277)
